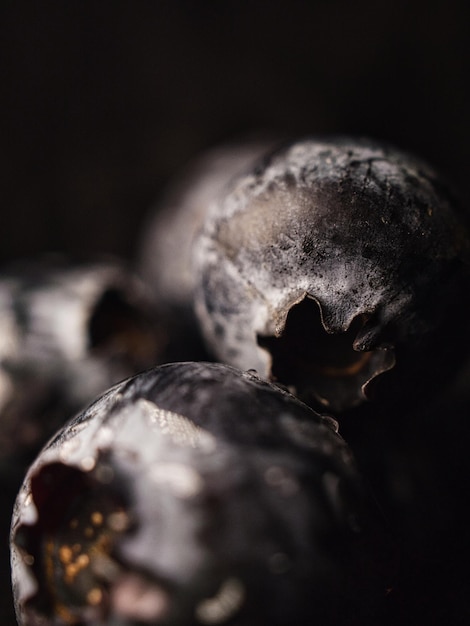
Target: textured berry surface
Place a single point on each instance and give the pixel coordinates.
(332, 262)
(211, 496)
(68, 330)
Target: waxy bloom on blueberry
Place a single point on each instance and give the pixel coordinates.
(196, 494)
(331, 263)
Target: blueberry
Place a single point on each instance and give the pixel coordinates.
(164, 250)
(67, 332)
(337, 268)
(192, 494)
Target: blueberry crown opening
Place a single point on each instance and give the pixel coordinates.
(70, 549)
(323, 368)
(120, 327)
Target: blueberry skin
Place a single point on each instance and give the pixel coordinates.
(68, 331)
(215, 495)
(337, 267)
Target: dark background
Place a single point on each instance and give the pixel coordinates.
(102, 102)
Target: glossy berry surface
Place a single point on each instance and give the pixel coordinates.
(336, 267)
(194, 493)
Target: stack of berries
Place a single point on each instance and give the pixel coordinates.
(275, 395)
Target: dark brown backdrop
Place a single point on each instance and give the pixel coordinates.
(101, 102)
